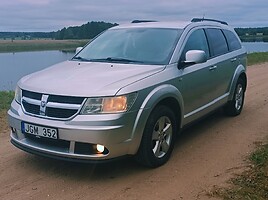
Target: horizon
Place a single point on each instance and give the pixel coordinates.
(99, 21)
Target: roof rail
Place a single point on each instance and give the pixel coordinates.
(142, 21)
(205, 19)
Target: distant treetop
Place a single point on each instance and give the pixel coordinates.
(253, 34)
(86, 31)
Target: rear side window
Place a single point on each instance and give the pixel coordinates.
(232, 40)
(217, 42)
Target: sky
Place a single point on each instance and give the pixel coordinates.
(53, 15)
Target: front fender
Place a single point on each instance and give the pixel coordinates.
(157, 95)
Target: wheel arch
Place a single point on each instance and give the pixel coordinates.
(240, 72)
(173, 104)
(167, 95)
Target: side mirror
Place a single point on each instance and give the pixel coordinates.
(78, 49)
(195, 57)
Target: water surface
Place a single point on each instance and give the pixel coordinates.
(256, 46)
(14, 66)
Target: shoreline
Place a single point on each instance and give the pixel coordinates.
(13, 46)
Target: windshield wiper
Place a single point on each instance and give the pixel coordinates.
(80, 58)
(115, 59)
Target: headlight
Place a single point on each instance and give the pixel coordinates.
(18, 95)
(115, 104)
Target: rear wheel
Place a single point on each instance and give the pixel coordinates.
(235, 106)
(158, 137)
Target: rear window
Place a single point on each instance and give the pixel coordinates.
(217, 42)
(232, 40)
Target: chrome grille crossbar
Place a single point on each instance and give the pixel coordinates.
(51, 106)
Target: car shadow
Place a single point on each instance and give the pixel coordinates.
(80, 171)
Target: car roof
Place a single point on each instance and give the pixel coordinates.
(154, 24)
(172, 24)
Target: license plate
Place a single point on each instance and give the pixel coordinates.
(39, 131)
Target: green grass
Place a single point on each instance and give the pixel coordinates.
(5, 100)
(40, 45)
(251, 184)
(260, 157)
(257, 58)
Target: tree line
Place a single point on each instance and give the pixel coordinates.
(252, 34)
(251, 31)
(86, 31)
(91, 29)
(26, 35)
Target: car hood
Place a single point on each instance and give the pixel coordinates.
(86, 79)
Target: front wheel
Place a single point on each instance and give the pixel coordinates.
(235, 106)
(158, 137)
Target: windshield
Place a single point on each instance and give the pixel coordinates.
(139, 45)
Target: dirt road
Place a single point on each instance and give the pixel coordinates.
(205, 155)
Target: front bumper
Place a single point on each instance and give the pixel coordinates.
(117, 132)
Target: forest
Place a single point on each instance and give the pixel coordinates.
(253, 34)
(86, 31)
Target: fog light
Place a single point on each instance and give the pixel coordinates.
(100, 148)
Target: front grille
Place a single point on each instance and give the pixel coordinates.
(64, 99)
(84, 148)
(51, 106)
(32, 95)
(30, 108)
(60, 113)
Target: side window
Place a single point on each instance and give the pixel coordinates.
(217, 42)
(196, 41)
(232, 40)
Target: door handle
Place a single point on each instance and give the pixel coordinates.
(233, 59)
(213, 68)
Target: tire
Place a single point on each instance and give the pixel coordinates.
(158, 137)
(235, 106)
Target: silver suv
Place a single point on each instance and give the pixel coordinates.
(130, 91)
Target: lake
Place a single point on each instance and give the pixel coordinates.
(256, 46)
(13, 66)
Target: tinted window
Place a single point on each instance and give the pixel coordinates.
(217, 42)
(232, 40)
(196, 41)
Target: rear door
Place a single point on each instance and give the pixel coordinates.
(221, 63)
(234, 56)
